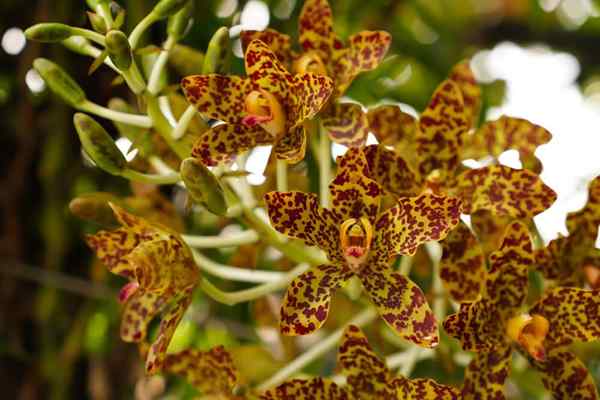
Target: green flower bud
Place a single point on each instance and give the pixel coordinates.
(218, 53)
(98, 144)
(186, 60)
(94, 207)
(49, 32)
(203, 186)
(95, 3)
(59, 81)
(119, 51)
(180, 24)
(98, 23)
(166, 8)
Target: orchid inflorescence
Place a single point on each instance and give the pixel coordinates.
(384, 210)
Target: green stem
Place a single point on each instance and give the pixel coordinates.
(184, 122)
(82, 46)
(134, 78)
(233, 298)
(405, 265)
(324, 166)
(407, 359)
(139, 30)
(234, 239)
(163, 127)
(131, 119)
(281, 170)
(88, 34)
(159, 65)
(233, 273)
(320, 348)
(151, 178)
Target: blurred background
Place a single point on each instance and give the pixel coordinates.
(537, 59)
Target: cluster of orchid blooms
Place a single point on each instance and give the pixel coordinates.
(385, 201)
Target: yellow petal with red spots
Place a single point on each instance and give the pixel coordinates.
(365, 51)
(489, 229)
(441, 130)
(566, 377)
(222, 142)
(426, 389)
(139, 309)
(111, 247)
(211, 372)
(392, 126)
(462, 75)
(353, 194)
(392, 172)
(168, 324)
(306, 303)
(309, 93)
(401, 304)
(517, 193)
(298, 214)
(486, 374)
(573, 313)
(316, 29)
(366, 374)
(312, 389)
(462, 267)
(588, 218)
(266, 72)
(279, 43)
(291, 147)
(347, 124)
(413, 221)
(506, 133)
(217, 96)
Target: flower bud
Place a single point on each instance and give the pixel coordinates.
(118, 49)
(166, 8)
(218, 54)
(98, 144)
(94, 207)
(48, 32)
(179, 24)
(59, 81)
(95, 3)
(98, 23)
(203, 186)
(186, 60)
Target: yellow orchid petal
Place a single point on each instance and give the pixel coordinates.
(503, 190)
(392, 172)
(426, 389)
(392, 126)
(316, 29)
(489, 229)
(210, 372)
(462, 267)
(312, 389)
(309, 94)
(486, 374)
(222, 142)
(462, 75)
(278, 42)
(291, 147)
(139, 309)
(347, 124)
(441, 130)
(306, 303)
(401, 304)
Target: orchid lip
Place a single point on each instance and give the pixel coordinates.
(355, 239)
(264, 109)
(529, 331)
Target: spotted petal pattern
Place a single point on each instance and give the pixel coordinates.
(504, 191)
(401, 304)
(292, 146)
(486, 374)
(211, 372)
(426, 389)
(588, 218)
(306, 303)
(462, 267)
(313, 389)
(391, 171)
(138, 311)
(392, 126)
(279, 43)
(298, 214)
(309, 94)
(441, 128)
(415, 220)
(266, 72)
(316, 29)
(462, 75)
(566, 376)
(505, 133)
(573, 313)
(347, 124)
(221, 142)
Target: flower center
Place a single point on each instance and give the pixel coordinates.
(355, 237)
(433, 182)
(310, 62)
(529, 331)
(263, 109)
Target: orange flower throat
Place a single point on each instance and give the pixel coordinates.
(355, 238)
(529, 331)
(263, 108)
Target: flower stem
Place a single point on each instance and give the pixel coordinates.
(363, 318)
(324, 167)
(151, 178)
(282, 181)
(82, 46)
(131, 119)
(184, 121)
(159, 65)
(233, 273)
(139, 30)
(163, 127)
(88, 34)
(233, 298)
(407, 359)
(235, 239)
